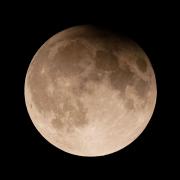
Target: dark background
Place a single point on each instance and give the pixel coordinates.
(28, 26)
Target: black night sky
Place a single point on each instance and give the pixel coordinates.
(29, 26)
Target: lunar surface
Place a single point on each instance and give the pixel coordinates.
(90, 92)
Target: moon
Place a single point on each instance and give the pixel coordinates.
(90, 92)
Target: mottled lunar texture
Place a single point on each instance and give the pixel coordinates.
(90, 92)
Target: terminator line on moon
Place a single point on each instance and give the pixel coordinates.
(90, 92)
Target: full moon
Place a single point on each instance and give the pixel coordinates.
(89, 91)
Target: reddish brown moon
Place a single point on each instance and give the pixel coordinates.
(90, 92)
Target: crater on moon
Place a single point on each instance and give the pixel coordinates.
(70, 115)
(90, 92)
